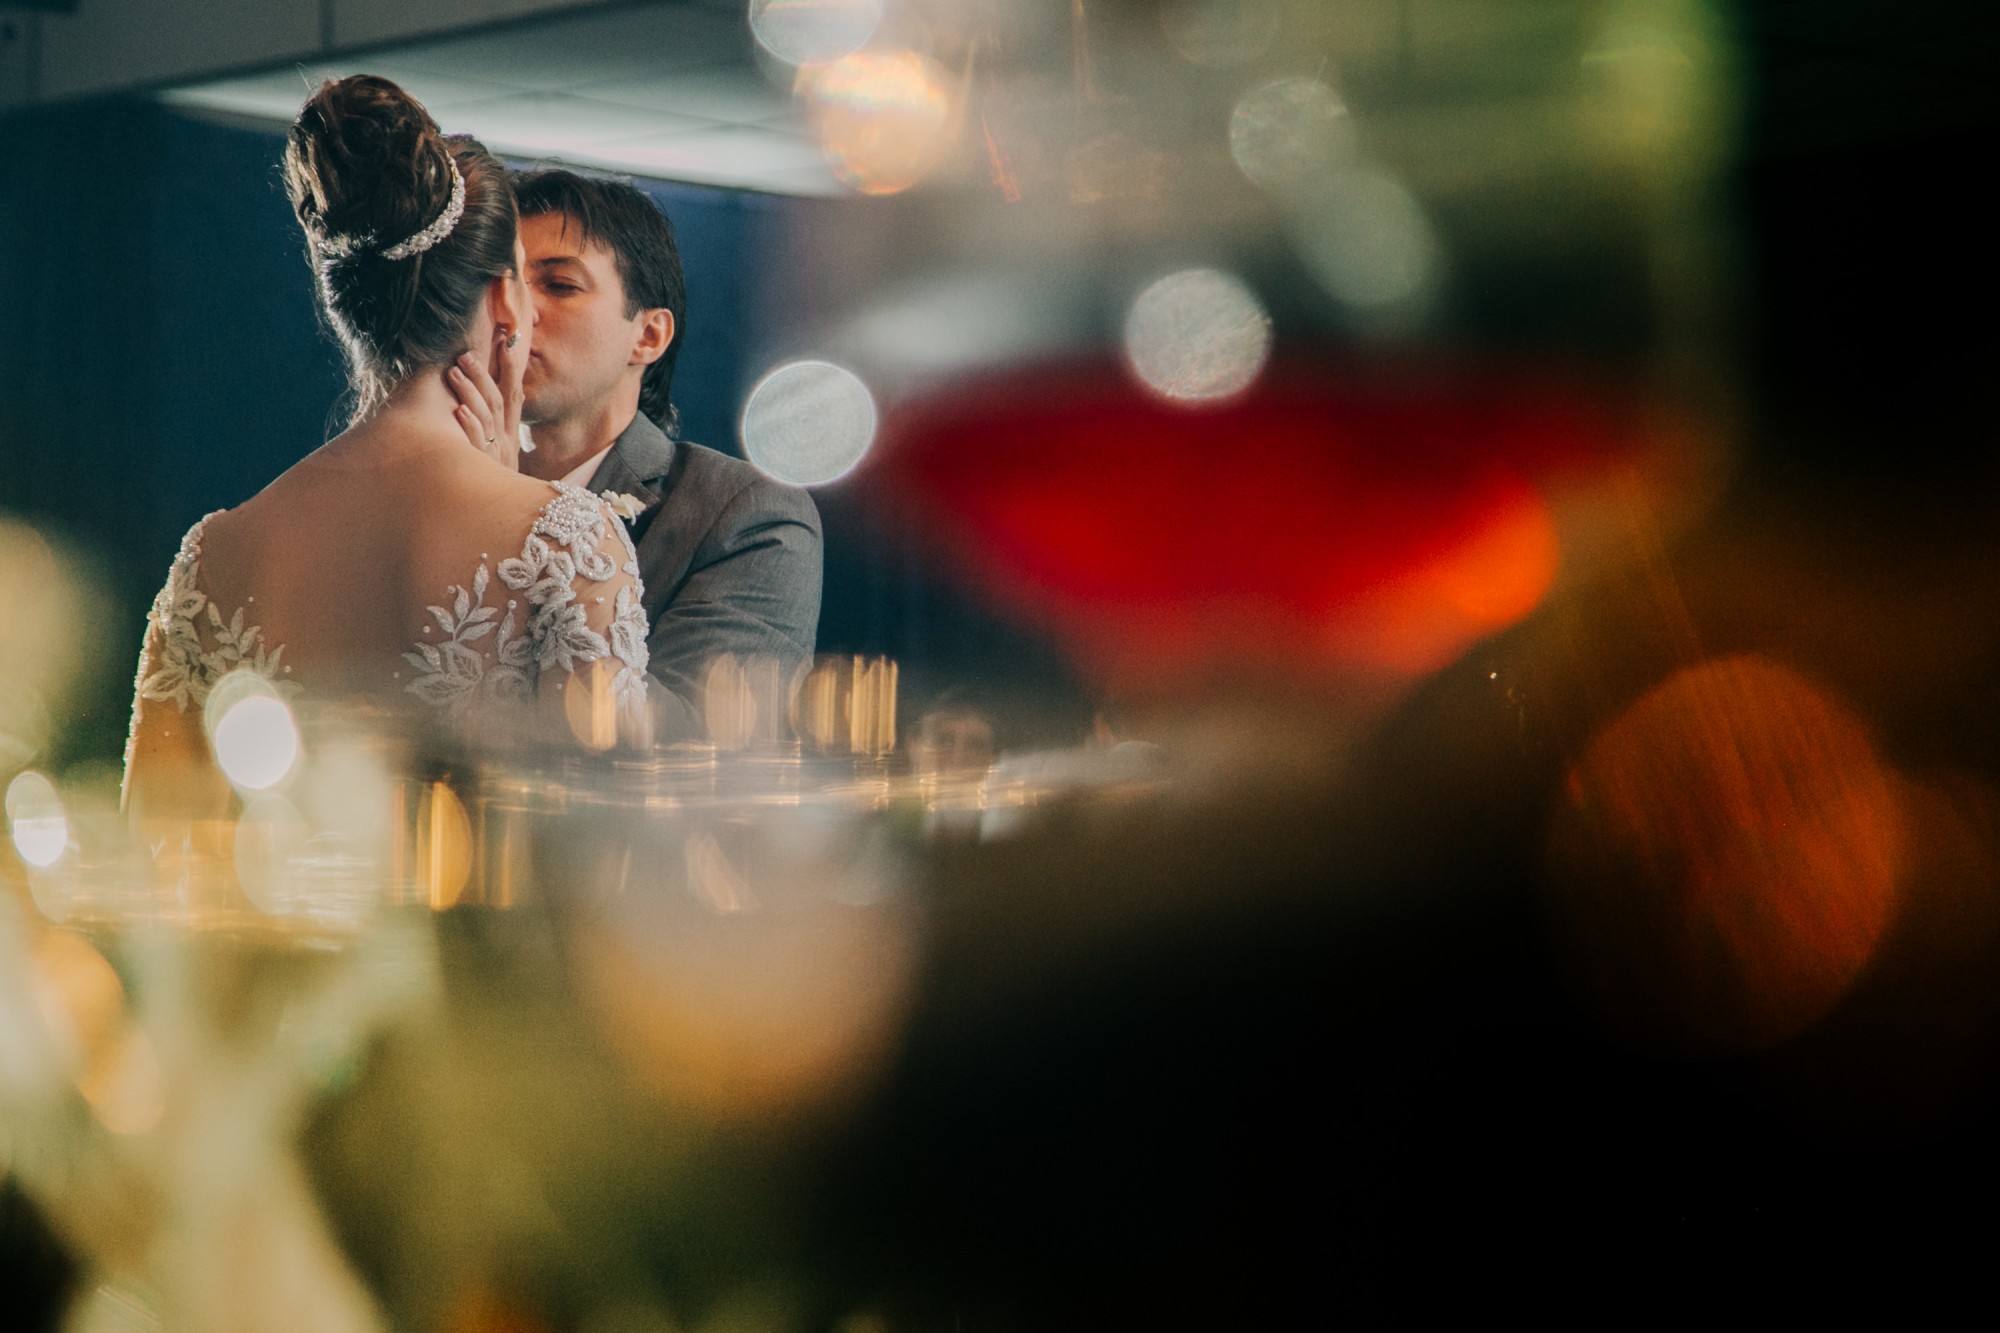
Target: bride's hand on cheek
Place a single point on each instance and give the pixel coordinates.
(489, 399)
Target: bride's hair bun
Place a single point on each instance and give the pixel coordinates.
(366, 168)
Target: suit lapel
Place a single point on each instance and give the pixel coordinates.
(640, 458)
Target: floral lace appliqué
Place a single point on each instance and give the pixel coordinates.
(453, 673)
(487, 651)
(184, 671)
(563, 546)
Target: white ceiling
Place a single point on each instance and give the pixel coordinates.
(669, 91)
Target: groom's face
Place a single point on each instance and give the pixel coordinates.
(585, 343)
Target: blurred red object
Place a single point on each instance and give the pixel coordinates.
(1373, 524)
(1728, 853)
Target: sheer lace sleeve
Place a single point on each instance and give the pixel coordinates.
(189, 645)
(559, 626)
(579, 575)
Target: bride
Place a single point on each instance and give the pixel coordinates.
(406, 557)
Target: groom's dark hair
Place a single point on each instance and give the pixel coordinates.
(624, 220)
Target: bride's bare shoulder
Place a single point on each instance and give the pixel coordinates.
(305, 482)
(507, 495)
(437, 493)
(532, 492)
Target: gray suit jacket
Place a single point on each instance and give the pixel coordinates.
(730, 560)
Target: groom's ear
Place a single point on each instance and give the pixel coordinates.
(656, 335)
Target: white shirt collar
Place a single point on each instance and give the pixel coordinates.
(583, 472)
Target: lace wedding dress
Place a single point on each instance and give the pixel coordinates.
(569, 599)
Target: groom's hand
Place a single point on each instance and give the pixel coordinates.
(489, 400)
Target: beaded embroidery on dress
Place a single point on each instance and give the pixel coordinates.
(185, 670)
(563, 545)
(487, 651)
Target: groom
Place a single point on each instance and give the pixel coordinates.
(730, 558)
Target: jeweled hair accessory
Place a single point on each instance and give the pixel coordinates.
(336, 248)
(438, 229)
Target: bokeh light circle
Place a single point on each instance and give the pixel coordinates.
(256, 741)
(36, 820)
(1727, 855)
(813, 32)
(1220, 32)
(1289, 131)
(884, 118)
(48, 610)
(79, 996)
(1367, 240)
(1199, 335)
(807, 423)
(126, 1088)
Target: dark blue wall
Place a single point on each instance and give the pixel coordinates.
(249, 384)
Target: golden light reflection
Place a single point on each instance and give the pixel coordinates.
(83, 1006)
(443, 846)
(251, 731)
(81, 999)
(749, 1013)
(819, 705)
(126, 1090)
(872, 707)
(885, 118)
(1197, 336)
(1728, 854)
(590, 703)
(503, 846)
(36, 820)
(745, 702)
(728, 706)
(847, 705)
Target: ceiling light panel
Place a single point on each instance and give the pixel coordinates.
(669, 91)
